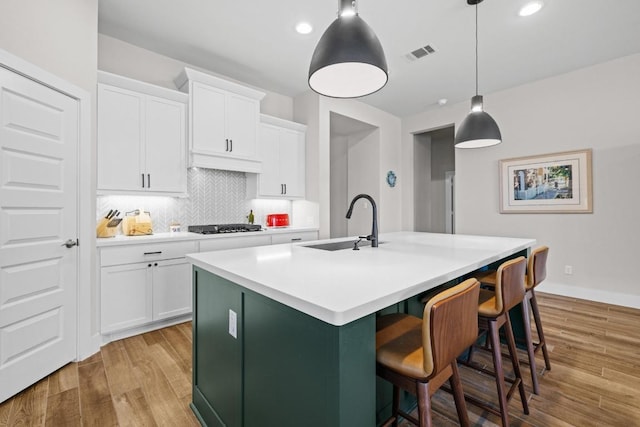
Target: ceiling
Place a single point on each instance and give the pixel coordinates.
(255, 41)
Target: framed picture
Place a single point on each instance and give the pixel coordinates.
(550, 183)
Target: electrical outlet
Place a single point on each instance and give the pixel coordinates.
(568, 270)
(233, 324)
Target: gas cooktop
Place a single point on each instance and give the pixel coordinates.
(224, 228)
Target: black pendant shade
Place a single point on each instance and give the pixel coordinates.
(348, 61)
(478, 129)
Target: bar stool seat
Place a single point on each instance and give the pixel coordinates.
(419, 355)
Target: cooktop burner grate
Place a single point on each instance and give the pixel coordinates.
(224, 228)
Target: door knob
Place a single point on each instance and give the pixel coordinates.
(70, 243)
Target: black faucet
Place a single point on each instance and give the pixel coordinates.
(374, 227)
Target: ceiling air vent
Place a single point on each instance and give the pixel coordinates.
(420, 53)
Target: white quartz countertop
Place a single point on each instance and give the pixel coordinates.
(341, 286)
(182, 236)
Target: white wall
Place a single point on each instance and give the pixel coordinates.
(339, 152)
(125, 59)
(315, 111)
(595, 107)
(363, 153)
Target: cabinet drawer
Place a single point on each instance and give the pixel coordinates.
(302, 236)
(147, 252)
(234, 242)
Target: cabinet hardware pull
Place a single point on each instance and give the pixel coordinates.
(231, 141)
(227, 141)
(148, 180)
(285, 189)
(155, 264)
(153, 253)
(142, 180)
(149, 265)
(296, 239)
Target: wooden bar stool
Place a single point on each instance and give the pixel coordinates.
(419, 355)
(536, 273)
(493, 313)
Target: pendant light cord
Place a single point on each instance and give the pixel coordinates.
(477, 48)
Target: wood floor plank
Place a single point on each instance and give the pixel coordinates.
(96, 405)
(63, 409)
(65, 378)
(185, 328)
(133, 409)
(5, 412)
(180, 343)
(30, 405)
(166, 407)
(118, 368)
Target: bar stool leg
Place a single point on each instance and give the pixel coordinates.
(516, 363)
(458, 396)
(527, 333)
(497, 365)
(536, 318)
(395, 405)
(424, 403)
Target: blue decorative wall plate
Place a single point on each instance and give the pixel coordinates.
(391, 178)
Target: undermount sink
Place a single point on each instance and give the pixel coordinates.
(336, 246)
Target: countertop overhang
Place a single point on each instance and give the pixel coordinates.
(341, 286)
(184, 235)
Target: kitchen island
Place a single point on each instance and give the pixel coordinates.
(285, 334)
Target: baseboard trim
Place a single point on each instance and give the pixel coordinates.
(118, 335)
(607, 297)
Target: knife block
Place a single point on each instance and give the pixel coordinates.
(103, 229)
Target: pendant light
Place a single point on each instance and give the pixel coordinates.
(478, 129)
(348, 61)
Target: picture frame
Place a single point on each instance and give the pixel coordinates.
(549, 183)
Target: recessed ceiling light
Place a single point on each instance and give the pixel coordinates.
(304, 28)
(531, 8)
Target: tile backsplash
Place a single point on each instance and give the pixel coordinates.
(215, 197)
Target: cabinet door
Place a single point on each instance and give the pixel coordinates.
(120, 137)
(171, 288)
(242, 125)
(208, 133)
(292, 167)
(165, 165)
(125, 296)
(270, 183)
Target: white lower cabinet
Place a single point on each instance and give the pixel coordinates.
(142, 285)
(135, 292)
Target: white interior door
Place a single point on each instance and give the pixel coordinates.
(39, 134)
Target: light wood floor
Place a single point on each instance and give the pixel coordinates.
(146, 380)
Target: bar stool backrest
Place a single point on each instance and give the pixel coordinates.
(537, 269)
(449, 325)
(510, 284)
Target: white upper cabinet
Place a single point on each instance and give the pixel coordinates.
(281, 148)
(223, 122)
(141, 138)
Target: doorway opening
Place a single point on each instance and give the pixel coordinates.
(354, 169)
(434, 173)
